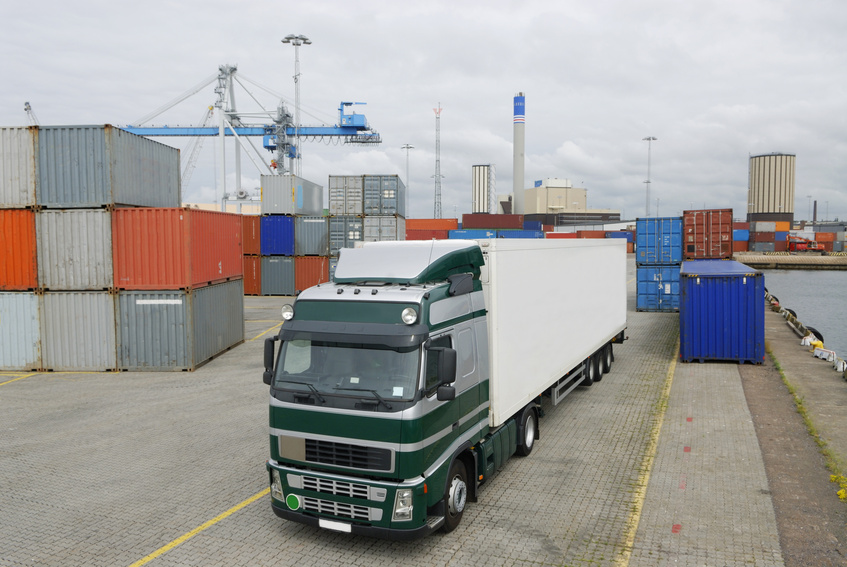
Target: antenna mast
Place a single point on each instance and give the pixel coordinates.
(437, 176)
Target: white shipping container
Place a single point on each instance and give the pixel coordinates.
(20, 331)
(74, 249)
(381, 228)
(763, 226)
(291, 195)
(17, 167)
(78, 331)
(345, 195)
(574, 294)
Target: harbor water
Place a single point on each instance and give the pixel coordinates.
(818, 299)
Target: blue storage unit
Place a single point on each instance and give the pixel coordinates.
(657, 288)
(533, 225)
(520, 234)
(658, 240)
(740, 235)
(781, 236)
(277, 235)
(721, 312)
(472, 234)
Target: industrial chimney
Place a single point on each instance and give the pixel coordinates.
(518, 161)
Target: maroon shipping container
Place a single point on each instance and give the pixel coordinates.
(250, 236)
(707, 234)
(740, 246)
(252, 275)
(483, 220)
(780, 246)
(762, 237)
(741, 226)
(421, 234)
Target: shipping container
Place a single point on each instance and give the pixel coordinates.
(619, 234)
(763, 226)
(432, 224)
(98, 166)
(780, 246)
(630, 247)
(291, 195)
(825, 236)
(424, 234)
(251, 231)
(741, 226)
(782, 226)
(311, 236)
(344, 232)
(20, 331)
(658, 240)
(175, 248)
(828, 246)
(559, 235)
(74, 249)
(535, 225)
(346, 196)
(310, 271)
(379, 228)
(721, 312)
(278, 275)
(178, 329)
(520, 234)
(472, 234)
(740, 234)
(761, 246)
(78, 331)
(384, 195)
(252, 275)
(838, 246)
(18, 150)
(657, 288)
(277, 235)
(707, 234)
(591, 234)
(18, 250)
(762, 237)
(780, 237)
(740, 246)
(489, 221)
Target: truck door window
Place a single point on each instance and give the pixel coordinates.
(431, 378)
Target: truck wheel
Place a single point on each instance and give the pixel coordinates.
(529, 428)
(456, 495)
(597, 359)
(589, 372)
(607, 358)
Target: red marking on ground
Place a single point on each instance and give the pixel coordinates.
(687, 450)
(676, 528)
(682, 482)
(689, 419)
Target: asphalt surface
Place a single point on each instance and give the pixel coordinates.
(657, 464)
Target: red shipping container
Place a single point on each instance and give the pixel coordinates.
(591, 234)
(825, 236)
(707, 234)
(780, 246)
(559, 235)
(309, 271)
(251, 243)
(548, 227)
(432, 224)
(740, 245)
(827, 246)
(175, 248)
(423, 234)
(741, 226)
(762, 237)
(483, 220)
(630, 247)
(252, 275)
(18, 250)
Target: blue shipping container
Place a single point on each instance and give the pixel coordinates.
(618, 234)
(277, 235)
(780, 236)
(658, 240)
(657, 288)
(721, 312)
(472, 234)
(520, 234)
(533, 225)
(741, 235)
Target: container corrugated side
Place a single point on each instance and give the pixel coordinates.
(277, 235)
(658, 240)
(520, 234)
(96, 166)
(74, 249)
(740, 234)
(346, 196)
(310, 271)
(344, 232)
(251, 242)
(424, 234)
(489, 221)
(18, 167)
(384, 195)
(278, 275)
(290, 195)
(78, 331)
(657, 288)
(18, 250)
(707, 234)
(432, 224)
(379, 228)
(252, 275)
(311, 236)
(721, 312)
(20, 331)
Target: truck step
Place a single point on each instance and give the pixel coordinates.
(434, 522)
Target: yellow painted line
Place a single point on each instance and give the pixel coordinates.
(647, 466)
(197, 530)
(18, 378)
(266, 332)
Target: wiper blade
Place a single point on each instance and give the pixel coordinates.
(379, 398)
(312, 388)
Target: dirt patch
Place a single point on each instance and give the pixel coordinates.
(812, 522)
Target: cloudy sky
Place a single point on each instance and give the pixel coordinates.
(713, 81)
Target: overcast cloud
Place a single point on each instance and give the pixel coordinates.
(714, 81)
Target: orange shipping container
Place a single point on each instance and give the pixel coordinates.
(591, 234)
(432, 224)
(783, 226)
(825, 237)
(559, 235)
(250, 238)
(309, 271)
(175, 248)
(252, 275)
(740, 245)
(18, 267)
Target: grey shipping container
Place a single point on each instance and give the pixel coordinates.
(97, 166)
(762, 246)
(78, 331)
(291, 195)
(278, 275)
(18, 167)
(345, 195)
(763, 226)
(311, 236)
(178, 330)
(344, 232)
(384, 195)
(384, 227)
(74, 249)
(20, 331)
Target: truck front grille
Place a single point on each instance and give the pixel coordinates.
(337, 509)
(337, 487)
(346, 455)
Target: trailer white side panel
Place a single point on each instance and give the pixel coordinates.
(551, 304)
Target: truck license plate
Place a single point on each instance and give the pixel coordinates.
(335, 526)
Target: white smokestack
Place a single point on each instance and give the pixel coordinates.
(518, 161)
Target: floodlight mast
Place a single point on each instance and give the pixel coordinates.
(296, 41)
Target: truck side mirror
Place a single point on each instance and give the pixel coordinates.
(269, 359)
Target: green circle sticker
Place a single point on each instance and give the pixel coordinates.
(292, 501)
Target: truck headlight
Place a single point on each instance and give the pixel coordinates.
(409, 316)
(276, 486)
(403, 505)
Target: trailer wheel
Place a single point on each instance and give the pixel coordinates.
(529, 429)
(597, 361)
(589, 372)
(607, 358)
(455, 495)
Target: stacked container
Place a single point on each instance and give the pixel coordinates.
(251, 248)
(430, 229)
(658, 260)
(769, 236)
(707, 234)
(740, 236)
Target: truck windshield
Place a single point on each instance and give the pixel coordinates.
(348, 369)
